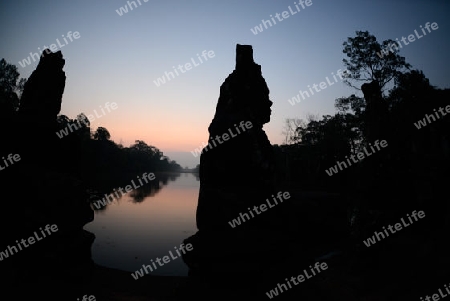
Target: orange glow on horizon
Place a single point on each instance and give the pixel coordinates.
(166, 140)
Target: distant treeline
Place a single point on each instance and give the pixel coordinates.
(101, 157)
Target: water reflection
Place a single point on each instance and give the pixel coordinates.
(150, 190)
(141, 189)
(146, 223)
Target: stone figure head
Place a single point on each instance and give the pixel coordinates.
(244, 95)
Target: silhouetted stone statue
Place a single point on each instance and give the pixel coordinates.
(45, 193)
(40, 105)
(43, 91)
(237, 174)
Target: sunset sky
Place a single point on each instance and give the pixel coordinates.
(118, 58)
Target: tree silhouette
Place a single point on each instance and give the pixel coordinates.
(367, 61)
(349, 104)
(82, 118)
(289, 130)
(85, 130)
(11, 88)
(333, 134)
(62, 121)
(102, 134)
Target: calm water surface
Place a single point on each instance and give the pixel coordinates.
(129, 233)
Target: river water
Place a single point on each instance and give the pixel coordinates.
(139, 227)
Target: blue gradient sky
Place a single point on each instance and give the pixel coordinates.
(117, 58)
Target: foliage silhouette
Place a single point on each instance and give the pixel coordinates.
(102, 134)
(364, 63)
(324, 142)
(11, 88)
